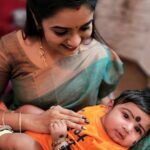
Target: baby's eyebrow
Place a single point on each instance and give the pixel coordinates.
(130, 112)
(142, 128)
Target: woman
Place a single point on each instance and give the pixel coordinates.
(56, 60)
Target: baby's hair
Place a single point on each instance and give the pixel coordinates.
(139, 97)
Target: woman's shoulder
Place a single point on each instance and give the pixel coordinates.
(8, 42)
(93, 45)
(108, 50)
(9, 36)
(96, 45)
(100, 49)
(11, 48)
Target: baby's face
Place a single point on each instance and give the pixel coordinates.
(126, 124)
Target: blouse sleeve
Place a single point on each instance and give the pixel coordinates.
(4, 68)
(113, 72)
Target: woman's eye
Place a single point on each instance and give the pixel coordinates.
(125, 115)
(85, 28)
(137, 129)
(61, 33)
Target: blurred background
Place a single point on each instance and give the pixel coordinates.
(12, 15)
(124, 25)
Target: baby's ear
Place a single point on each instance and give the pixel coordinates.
(109, 105)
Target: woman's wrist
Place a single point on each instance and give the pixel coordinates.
(35, 123)
(29, 122)
(11, 119)
(19, 121)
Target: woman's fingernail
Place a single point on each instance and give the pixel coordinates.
(84, 128)
(83, 117)
(86, 121)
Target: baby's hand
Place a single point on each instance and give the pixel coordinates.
(58, 130)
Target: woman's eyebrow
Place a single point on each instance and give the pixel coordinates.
(86, 24)
(61, 27)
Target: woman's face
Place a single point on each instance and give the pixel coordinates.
(66, 30)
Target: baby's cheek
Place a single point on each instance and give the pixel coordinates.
(134, 143)
(134, 139)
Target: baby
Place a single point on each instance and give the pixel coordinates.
(117, 126)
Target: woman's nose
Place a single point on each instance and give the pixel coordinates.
(74, 40)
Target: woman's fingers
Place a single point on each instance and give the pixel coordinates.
(70, 115)
(74, 125)
(66, 122)
(71, 118)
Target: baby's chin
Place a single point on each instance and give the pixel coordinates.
(123, 144)
(120, 141)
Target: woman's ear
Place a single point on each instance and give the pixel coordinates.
(109, 105)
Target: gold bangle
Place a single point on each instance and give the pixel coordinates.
(3, 118)
(20, 122)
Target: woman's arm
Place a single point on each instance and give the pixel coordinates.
(40, 122)
(72, 119)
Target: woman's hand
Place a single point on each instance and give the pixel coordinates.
(72, 119)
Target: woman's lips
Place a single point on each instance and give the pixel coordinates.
(69, 48)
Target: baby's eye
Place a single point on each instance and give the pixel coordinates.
(137, 129)
(125, 115)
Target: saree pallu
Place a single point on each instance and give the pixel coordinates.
(73, 82)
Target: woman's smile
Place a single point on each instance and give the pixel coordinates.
(69, 48)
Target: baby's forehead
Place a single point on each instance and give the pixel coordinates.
(136, 112)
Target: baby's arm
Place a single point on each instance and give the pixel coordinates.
(58, 131)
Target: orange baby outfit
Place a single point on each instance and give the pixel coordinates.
(94, 138)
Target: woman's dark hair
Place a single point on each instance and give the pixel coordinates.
(139, 97)
(47, 8)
